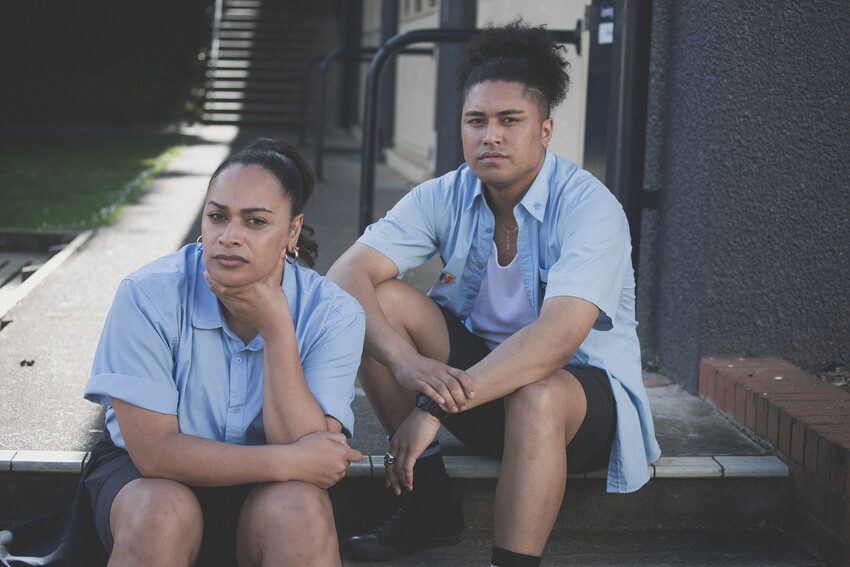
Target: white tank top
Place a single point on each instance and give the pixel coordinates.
(502, 306)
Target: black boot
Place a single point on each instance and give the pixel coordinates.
(428, 516)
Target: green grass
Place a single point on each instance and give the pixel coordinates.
(73, 180)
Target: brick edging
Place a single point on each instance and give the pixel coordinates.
(807, 421)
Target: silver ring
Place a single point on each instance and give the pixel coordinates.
(389, 459)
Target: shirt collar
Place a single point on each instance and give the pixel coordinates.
(537, 196)
(206, 314)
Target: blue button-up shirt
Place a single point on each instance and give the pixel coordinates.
(573, 240)
(165, 347)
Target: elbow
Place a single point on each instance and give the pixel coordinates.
(148, 467)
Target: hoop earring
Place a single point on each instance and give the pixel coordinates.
(198, 244)
(294, 257)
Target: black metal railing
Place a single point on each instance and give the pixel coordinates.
(364, 55)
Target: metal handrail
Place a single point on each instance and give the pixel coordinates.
(305, 93)
(389, 49)
(321, 90)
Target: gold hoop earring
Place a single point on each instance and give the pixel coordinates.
(294, 257)
(198, 244)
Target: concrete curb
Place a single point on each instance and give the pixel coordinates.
(372, 466)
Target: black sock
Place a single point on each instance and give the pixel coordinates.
(430, 481)
(504, 558)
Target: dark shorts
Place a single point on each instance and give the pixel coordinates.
(112, 469)
(483, 428)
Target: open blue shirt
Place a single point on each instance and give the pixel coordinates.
(165, 347)
(573, 240)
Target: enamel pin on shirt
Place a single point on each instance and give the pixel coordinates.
(446, 277)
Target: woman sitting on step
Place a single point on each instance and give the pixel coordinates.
(228, 371)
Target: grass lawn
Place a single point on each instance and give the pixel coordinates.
(76, 179)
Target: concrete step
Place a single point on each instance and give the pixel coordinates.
(256, 96)
(277, 74)
(695, 522)
(684, 493)
(277, 107)
(239, 85)
(278, 121)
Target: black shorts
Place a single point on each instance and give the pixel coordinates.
(112, 469)
(483, 428)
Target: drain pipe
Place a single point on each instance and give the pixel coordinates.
(627, 111)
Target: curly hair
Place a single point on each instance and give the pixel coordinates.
(288, 166)
(516, 53)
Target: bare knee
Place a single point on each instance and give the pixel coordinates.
(289, 522)
(393, 295)
(554, 405)
(157, 522)
(415, 317)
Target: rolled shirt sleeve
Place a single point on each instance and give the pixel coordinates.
(407, 234)
(134, 358)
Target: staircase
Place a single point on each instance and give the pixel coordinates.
(256, 64)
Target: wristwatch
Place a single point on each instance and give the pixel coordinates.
(426, 404)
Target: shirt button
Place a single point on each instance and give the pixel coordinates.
(238, 360)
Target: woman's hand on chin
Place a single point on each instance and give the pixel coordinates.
(261, 304)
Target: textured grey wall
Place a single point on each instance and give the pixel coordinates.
(748, 146)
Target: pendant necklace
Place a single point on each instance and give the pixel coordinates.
(507, 231)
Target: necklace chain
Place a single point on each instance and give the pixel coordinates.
(508, 232)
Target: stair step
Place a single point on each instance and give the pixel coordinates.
(257, 64)
(236, 84)
(261, 119)
(265, 26)
(290, 94)
(263, 47)
(250, 107)
(280, 75)
(259, 54)
(255, 35)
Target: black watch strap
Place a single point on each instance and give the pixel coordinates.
(425, 403)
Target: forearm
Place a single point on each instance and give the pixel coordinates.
(520, 360)
(535, 351)
(290, 410)
(196, 461)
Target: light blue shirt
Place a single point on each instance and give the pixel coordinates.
(165, 347)
(573, 240)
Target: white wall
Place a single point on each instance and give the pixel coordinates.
(416, 95)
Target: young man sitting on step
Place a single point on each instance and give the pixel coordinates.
(525, 347)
